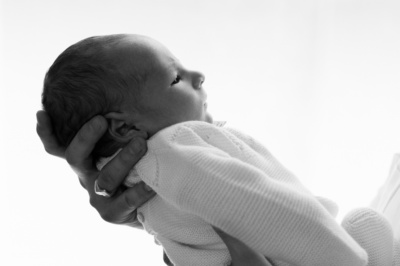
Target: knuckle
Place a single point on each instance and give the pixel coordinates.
(48, 150)
(93, 202)
(132, 152)
(82, 184)
(69, 158)
(130, 202)
(137, 147)
(107, 217)
(105, 214)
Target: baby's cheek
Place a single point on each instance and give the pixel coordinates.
(192, 108)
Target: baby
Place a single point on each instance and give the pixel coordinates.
(204, 174)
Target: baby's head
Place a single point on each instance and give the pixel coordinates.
(132, 80)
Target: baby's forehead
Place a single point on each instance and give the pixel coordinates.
(143, 55)
(129, 59)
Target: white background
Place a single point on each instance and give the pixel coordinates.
(318, 82)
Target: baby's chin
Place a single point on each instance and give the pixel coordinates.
(208, 118)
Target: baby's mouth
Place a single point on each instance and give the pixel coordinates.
(205, 100)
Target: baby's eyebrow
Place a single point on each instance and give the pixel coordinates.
(175, 61)
(172, 62)
(173, 65)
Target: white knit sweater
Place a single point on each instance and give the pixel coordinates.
(207, 175)
(387, 201)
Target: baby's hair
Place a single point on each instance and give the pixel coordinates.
(84, 82)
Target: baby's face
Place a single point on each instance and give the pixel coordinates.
(171, 93)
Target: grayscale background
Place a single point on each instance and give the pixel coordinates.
(317, 81)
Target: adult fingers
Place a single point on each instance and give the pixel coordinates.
(121, 208)
(44, 129)
(112, 175)
(78, 153)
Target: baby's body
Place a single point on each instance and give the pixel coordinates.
(204, 175)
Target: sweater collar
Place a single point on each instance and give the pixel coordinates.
(219, 123)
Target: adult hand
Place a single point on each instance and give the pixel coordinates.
(241, 254)
(121, 207)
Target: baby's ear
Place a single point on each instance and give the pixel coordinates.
(122, 129)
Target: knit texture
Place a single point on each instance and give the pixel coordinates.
(207, 175)
(387, 201)
(374, 233)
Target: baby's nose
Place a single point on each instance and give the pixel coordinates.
(197, 79)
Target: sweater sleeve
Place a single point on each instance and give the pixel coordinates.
(271, 217)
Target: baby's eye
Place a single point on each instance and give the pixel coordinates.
(176, 80)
